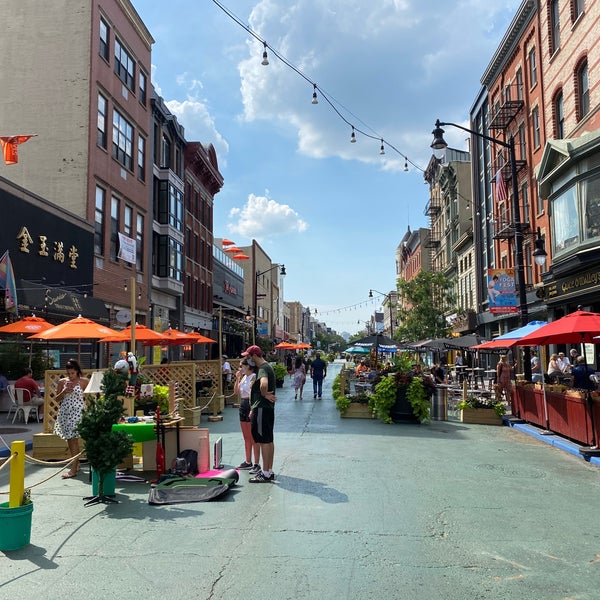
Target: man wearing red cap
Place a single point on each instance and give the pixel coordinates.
(262, 413)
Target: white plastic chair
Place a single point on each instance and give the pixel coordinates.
(26, 407)
(13, 399)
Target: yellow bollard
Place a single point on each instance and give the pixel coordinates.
(17, 475)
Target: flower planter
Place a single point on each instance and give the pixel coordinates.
(357, 410)
(402, 411)
(480, 416)
(15, 525)
(110, 483)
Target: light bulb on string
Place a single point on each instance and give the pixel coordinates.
(265, 59)
(352, 136)
(405, 164)
(381, 149)
(315, 100)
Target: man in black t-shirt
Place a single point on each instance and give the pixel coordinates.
(318, 371)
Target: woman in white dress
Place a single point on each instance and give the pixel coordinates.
(244, 379)
(70, 395)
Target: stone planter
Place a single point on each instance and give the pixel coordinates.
(357, 410)
(480, 416)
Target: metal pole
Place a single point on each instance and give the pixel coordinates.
(255, 308)
(519, 262)
(389, 297)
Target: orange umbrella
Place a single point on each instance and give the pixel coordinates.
(285, 346)
(233, 250)
(172, 337)
(302, 346)
(78, 328)
(142, 334)
(201, 339)
(241, 257)
(226, 242)
(31, 325)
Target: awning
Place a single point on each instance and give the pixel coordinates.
(56, 304)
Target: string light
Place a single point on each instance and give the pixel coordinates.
(381, 149)
(316, 88)
(265, 60)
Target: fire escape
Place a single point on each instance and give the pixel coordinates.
(503, 115)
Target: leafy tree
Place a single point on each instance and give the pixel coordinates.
(426, 300)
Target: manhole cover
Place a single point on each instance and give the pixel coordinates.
(7, 430)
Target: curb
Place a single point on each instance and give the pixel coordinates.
(553, 440)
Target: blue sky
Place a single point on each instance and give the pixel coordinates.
(333, 212)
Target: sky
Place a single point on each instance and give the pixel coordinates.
(332, 211)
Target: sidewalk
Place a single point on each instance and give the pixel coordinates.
(18, 431)
(359, 509)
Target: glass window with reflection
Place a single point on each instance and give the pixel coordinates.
(590, 192)
(565, 219)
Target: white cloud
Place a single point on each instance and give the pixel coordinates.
(262, 217)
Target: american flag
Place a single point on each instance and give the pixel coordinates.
(501, 190)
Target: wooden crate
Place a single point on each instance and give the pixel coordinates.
(47, 446)
(357, 410)
(480, 416)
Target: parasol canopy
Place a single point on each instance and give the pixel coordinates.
(200, 339)
(142, 334)
(357, 350)
(173, 337)
(579, 327)
(285, 346)
(226, 242)
(241, 257)
(79, 328)
(232, 250)
(383, 342)
(510, 339)
(30, 325)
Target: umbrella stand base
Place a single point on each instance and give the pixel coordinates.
(588, 451)
(90, 500)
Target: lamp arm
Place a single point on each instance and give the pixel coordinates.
(475, 133)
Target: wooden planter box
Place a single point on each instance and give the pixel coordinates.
(357, 410)
(480, 416)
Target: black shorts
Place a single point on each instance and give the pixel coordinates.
(263, 421)
(245, 410)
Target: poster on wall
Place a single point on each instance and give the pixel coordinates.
(502, 291)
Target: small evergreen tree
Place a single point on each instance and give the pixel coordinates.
(105, 448)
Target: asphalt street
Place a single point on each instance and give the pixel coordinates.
(359, 509)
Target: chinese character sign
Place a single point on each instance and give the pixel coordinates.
(502, 291)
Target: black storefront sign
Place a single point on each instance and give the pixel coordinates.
(564, 288)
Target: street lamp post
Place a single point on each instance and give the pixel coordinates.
(257, 274)
(389, 299)
(439, 144)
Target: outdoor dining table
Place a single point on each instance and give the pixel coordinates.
(144, 431)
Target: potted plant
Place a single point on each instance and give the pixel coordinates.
(280, 373)
(418, 397)
(481, 410)
(105, 448)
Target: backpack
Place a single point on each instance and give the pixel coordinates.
(186, 463)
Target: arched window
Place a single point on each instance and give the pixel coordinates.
(583, 89)
(554, 23)
(559, 115)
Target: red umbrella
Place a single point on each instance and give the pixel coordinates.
(241, 257)
(285, 346)
(579, 327)
(30, 325)
(232, 250)
(226, 242)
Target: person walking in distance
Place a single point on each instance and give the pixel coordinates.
(318, 372)
(262, 412)
(299, 377)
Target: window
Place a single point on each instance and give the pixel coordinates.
(565, 217)
(122, 140)
(99, 221)
(104, 42)
(139, 243)
(539, 205)
(576, 9)
(590, 192)
(143, 85)
(554, 26)
(141, 158)
(128, 221)
(102, 109)
(559, 116)
(522, 142)
(175, 208)
(124, 66)
(532, 68)
(114, 228)
(535, 121)
(525, 202)
(165, 153)
(583, 91)
(168, 260)
(520, 84)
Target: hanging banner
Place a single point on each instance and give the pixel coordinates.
(126, 248)
(502, 291)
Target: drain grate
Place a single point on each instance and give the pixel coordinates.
(8, 430)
